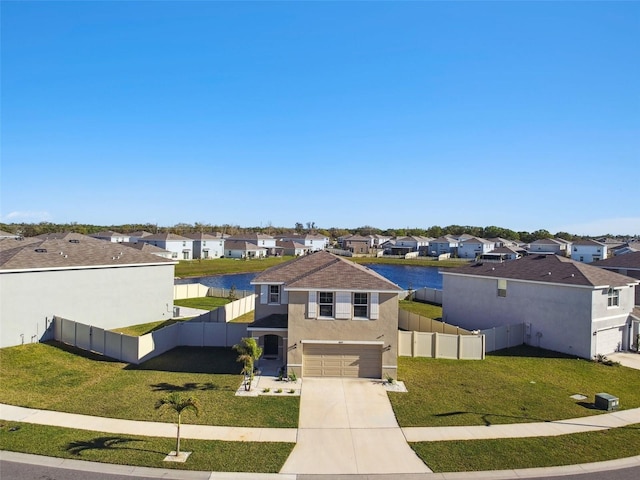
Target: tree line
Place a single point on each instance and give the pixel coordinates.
(34, 229)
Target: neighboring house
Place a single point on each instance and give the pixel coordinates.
(243, 249)
(629, 247)
(502, 254)
(357, 244)
(181, 248)
(404, 245)
(9, 235)
(503, 242)
(588, 251)
(148, 248)
(206, 246)
(377, 240)
(628, 264)
(289, 247)
(323, 315)
(567, 306)
(474, 247)
(135, 237)
(111, 236)
(312, 242)
(258, 239)
(555, 246)
(443, 245)
(77, 277)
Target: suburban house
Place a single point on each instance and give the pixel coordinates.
(111, 236)
(243, 249)
(404, 245)
(502, 254)
(4, 234)
(206, 245)
(148, 248)
(566, 306)
(555, 246)
(312, 242)
(134, 237)
(378, 240)
(289, 247)
(181, 248)
(357, 244)
(323, 315)
(628, 264)
(446, 244)
(588, 251)
(474, 247)
(628, 247)
(104, 284)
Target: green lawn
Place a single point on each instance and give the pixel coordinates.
(220, 266)
(144, 328)
(265, 457)
(425, 309)
(517, 453)
(56, 377)
(203, 303)
(416, 262)
(523, 384)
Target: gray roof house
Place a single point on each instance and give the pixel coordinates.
(628, 264)
(567, 306)
(80, 278)
(181, 248)
(323, 315)
(206, 245)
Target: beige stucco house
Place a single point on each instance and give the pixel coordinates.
(323, 315)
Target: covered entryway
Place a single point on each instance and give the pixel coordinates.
(342, 360)
(270, 346)
(610, 340)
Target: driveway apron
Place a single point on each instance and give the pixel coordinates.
(347, 426)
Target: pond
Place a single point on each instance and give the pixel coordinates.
(407, 276)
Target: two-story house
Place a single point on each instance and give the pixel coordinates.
(206, 246)
(111, 236)
(554, 246)
(323, 315)
(181, 248)
(446, 244)
(357, 244)
(312, 242)
(474, 247)
(566, 306)
(588, 251)
(262, 240)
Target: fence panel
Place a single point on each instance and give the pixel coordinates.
(68, 332)
(447, 346)
(235, 332)
(83, 336)
(191, 334)
(129, 349)
(405, 344)
(97, 340)
(498, 338)
(423, 343)
(113, 345)
(471, 348)
(428, 295)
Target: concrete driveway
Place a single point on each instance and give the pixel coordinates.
(626, 359)
(347, 426)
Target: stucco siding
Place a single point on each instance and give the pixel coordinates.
(103, 297)
(560, 316)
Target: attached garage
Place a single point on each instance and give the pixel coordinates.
(342, 360)
(610, 340)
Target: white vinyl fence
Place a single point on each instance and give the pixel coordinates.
(139, 349)
(441, 345)
(428, 295)
(227, 312)
(498, 338)
(197, 290)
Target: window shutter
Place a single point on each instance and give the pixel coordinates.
(264, 294)
(375, 311)
(284, 296)
(312, 310)
(343, 305)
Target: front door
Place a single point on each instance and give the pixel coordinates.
(270, 346)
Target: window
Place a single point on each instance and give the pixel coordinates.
(613, 298)
(185, 255)
(502, 288)
(274, 293)
(325, 301)
(174, 255)
(360, 305)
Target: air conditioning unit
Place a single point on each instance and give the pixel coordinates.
(604, 401)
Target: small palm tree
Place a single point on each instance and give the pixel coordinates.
(176, 402)
(249, 352)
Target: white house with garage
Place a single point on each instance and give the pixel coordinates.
(206, 245)
(474, 247)
(104, 284)
(323, 315)
(312, 242)
(566, 306)
(181, 248)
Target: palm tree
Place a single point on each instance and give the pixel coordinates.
(249, 352)
(176, 402)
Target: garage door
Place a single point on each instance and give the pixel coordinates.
(342, 360)
(609, 341)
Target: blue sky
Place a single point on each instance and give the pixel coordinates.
(524, 115)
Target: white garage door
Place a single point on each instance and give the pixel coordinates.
(341, 360)
(609, 341)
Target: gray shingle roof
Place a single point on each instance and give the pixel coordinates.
(547, 269)
(68, 251)
(628, 260)
(323, 270)
(165, 237)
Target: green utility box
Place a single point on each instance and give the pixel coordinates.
(604, 401)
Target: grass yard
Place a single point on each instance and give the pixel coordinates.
(264, 457)
(516, 453)
(416, 262)
(220, 266)
(203, 303)
(523, 384)
(144, 328)
(425, 309)
(53, 376)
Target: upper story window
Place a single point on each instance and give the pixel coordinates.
(613, 298)
(360, 305)
(274, 293)
(325, 304)
(502, 288)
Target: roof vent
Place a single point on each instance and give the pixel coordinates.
(41, 250)
(549, 273)
(74, 240)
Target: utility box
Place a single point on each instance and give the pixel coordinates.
(604, 401)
